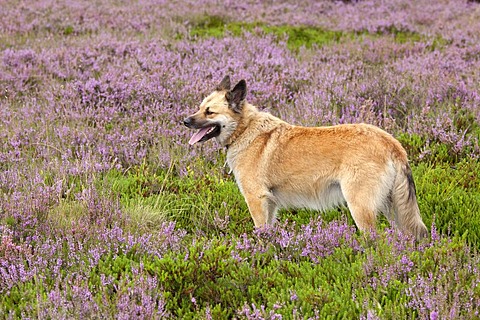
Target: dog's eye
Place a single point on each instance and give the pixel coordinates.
(208, 112)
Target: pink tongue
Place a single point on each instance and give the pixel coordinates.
(198, 135)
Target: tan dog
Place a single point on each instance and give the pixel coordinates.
(278, 165)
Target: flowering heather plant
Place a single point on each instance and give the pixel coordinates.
(105, 211)
(313, 241)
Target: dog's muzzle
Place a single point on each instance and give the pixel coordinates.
(188, 122)
(206, 131)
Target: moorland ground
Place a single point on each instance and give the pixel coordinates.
(105, 211)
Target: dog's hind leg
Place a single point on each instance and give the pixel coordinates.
(361, 206)
(367, 191)
(272, 213)
(262, 209)
(364, 217)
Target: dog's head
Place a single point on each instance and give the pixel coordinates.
(219, 113)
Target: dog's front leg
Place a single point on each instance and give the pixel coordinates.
(262, 209)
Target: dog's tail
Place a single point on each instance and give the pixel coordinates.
(407, 213)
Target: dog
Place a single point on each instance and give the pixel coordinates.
(279, 165)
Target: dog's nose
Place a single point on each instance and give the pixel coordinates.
(187, 122)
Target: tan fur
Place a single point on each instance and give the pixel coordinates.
(278, 165)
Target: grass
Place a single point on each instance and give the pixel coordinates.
(194, 203)
(212, 204)
(301, 35)
(297, 36)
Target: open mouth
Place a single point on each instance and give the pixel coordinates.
(205, 134)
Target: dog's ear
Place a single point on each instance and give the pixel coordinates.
(224, 84)
(236, 97)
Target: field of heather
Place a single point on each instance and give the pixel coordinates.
(107, 212)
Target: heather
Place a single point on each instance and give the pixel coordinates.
(105, 211)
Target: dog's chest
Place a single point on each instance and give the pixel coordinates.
(234, 163)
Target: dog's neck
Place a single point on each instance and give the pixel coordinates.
(252, 124)
(248, 114)
(245, 132)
